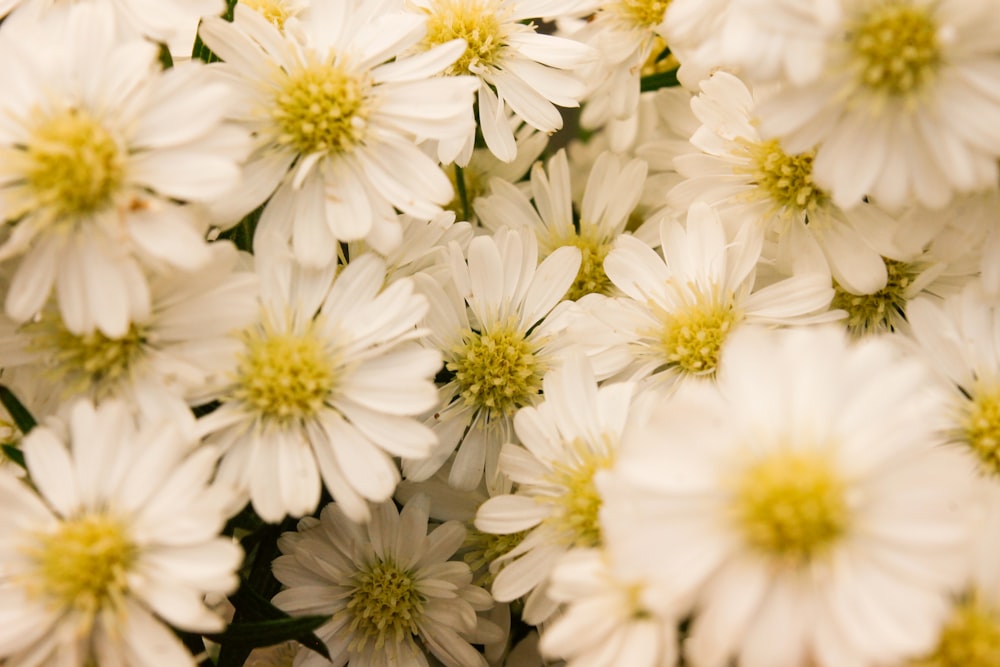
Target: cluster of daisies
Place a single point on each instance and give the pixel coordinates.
(323, 342)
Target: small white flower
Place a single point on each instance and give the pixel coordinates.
(390, 587)
(802, 506)
(120, 539)
(327, 385)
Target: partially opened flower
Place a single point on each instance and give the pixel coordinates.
(117, 539)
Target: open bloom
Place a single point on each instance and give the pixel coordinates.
(815, 517)
(393, 594)
(117, 539)
(338, 113)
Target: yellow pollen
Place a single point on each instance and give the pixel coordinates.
(981, 425)
(590, 278)
(577, 507)
(692, 338)
(496, 370)
(790, 504)
(895, 47)
(879, 311)
(384, 605)
(88, 362)
(275, 12)
(970, 639)
(640, 13)
(321, 108)
(284, 376)
(76, 165)
(478, 22)
(83, 564)
(481, 549)
(783, 179)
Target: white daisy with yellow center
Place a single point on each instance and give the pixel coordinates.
(806, 485)
(97, 554)
(339, 111)
(325, 388)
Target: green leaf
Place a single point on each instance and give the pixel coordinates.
(166, 60)
(22, 418)
(242, 234)
(659, 80)
(255, 634)
(202, 52)
(14, 453)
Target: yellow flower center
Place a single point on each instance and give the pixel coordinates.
(83, 564)
(321, 108)
(895, 47)
(646, 14)
(478, 22)
(481, 549)
(284, 376)
(970, 639)
(692, 338)
(92, 361)
(981, 426)
(590, 278)
(76, 165)
(275, 12)
(791, 504)
(879, 311)
(783, 179)
(578, 505)
(496, 370)
(384, 605)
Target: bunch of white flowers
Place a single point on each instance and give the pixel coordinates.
(500, 333)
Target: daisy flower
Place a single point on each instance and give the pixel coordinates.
(116, 538)
(517, 67)
(679, 308)
(815, 517)
(611, 194)
(182, 348)
(494, 324)
(326, 388)
(393, 594)
(748, 177)
(902, 107)
(337, 110)
(609, 619)
(95, 167)
(566, 440)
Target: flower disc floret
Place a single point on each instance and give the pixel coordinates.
(285, 375)
(83, 564)
(971, 638)
(791, 505)
(982, 428)
(275, 12)
(482, 549)
(475, 21)
(384, 604)
(87, 361)
(641, 13)
(496, 370)
(869, 313)
(76, 165)
(895, 47)
(784, 179)
(591, 278)
(692, 338)
(321, 108)
(578, 507)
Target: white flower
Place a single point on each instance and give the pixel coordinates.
(756, 181)
(900, 104)
(337, 111)
(391, 590)
(183, 347)
(120, 538)
(566, 440)
(517, 67)
(494, 325)
(609, 618)
(803, 505)
(680, 307)
(611, 194)
(99, 146)
(326, 387)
